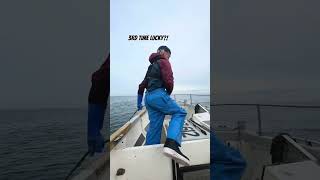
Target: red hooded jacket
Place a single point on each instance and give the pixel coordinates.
(166, 73)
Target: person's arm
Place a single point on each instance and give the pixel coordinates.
(166, 75)
(142, 86)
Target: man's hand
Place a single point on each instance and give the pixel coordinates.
(139, 102)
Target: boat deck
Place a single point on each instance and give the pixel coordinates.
(136, 161)
(149, 162)
(130, 159)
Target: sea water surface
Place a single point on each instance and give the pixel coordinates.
(42, 143)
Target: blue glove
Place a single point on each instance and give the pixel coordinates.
(139, 102)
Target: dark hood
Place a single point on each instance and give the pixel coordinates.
(155, 56)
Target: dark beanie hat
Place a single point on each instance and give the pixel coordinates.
(165, 48)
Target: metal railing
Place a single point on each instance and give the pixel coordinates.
(193, 99)
(259, 115)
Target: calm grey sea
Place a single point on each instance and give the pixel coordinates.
(46, 143)
(41, 144)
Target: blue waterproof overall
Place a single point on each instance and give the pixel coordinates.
(95, 139)
(159, 104)
(226, 163)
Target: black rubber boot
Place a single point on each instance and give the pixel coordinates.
(171, 149)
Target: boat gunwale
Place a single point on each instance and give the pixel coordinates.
(125, 128)
(128, 125)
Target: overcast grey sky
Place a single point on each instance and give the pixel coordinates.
(266, 51)
(49, 50)
(263, 51)
(187, 22)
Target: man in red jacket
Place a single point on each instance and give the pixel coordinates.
(98, 98)
(159, 84)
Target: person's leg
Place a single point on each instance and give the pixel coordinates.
(176, 123)
(100, 122)
(95, 121)
(163, 103)
(155, 126)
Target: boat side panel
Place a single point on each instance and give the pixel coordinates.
(143, 163)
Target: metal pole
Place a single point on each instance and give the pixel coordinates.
(190, 99)
(259, 120)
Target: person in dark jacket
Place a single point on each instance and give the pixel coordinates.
(159, 84)
(98, 99)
